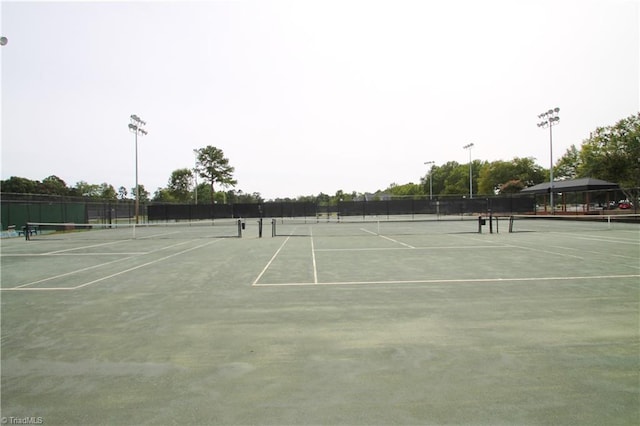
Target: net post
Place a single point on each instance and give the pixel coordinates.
(490, 223)
(479, 224)
(239, 228)
(273, 227)
(260, 228)
(511, 224)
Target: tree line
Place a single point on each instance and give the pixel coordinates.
(610, 153)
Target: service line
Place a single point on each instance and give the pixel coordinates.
(255, 282)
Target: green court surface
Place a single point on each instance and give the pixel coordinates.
(447, 326)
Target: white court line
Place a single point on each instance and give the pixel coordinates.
(146, 264)
(565, 254)
(387, 238)
(597, 252)
(20, 287)
(605, 260)
(255, 282)
(86, 247)
(545, 251)
(75, 254)
(607, 239)
(462, 280)
(313, 257)
(66, 274)
(493, 246)
(38, 289)
(146, 237)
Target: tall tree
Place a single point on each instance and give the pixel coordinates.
(19, 185)
(508, 176)
(144, 194)
(453, 178)
(54, 185)
(212, 166)
(493, 175)
(440, 175)
(613, 153)
(163, 195)
(122, 193)
(568, 165)
(180, 185)
(107, 191)
(84, 189)
(405, 190)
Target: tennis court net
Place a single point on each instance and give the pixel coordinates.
(386, 225)
(574, 223)
(220, 228)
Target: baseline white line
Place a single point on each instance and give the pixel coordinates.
(471, 280)
(132, 253)
(74, 254)
(313, 257)
(255, 282)
(493, 246)
(38, 289)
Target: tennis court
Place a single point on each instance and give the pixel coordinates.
(368, 322)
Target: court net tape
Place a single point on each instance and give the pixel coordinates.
(573, 223)
(219, 228)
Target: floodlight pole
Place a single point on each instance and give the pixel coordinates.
(469, 146)
(136, 127)
(195, 175)
(549, 119)
(430, 179)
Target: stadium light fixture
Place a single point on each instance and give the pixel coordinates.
(550, 119)
(469, 146)
(135, 126)
(430, 179)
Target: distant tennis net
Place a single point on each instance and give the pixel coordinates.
(219, 228)
(371, 225)
(573, 223)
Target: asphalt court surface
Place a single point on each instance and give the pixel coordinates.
(446, 328)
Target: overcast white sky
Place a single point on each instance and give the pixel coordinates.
(307, 96)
